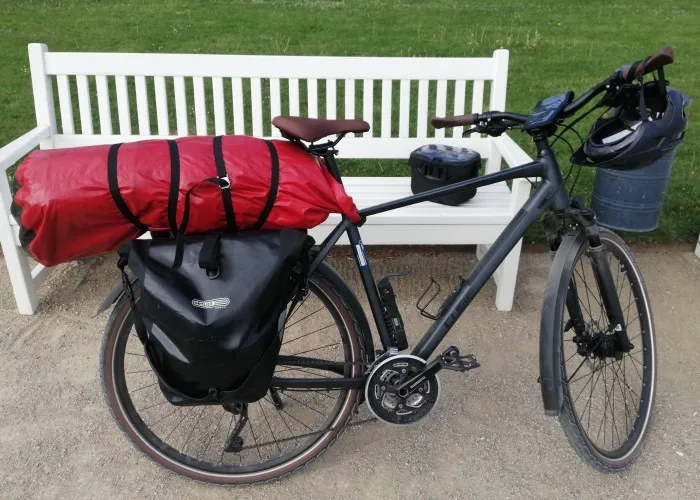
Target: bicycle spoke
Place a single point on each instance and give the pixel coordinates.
(184, 446)
(307, 334)
(250, 426)
(315, 349)
(153, 406)
(302, 319)
(211, 437)
(304, 404)
(144, 387)
(178, 424)
(268, 424)
(280, 415)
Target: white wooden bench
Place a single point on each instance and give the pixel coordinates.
(84, 99)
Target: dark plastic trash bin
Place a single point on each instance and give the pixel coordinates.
(632, 200)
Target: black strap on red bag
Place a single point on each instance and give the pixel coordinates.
(222, 180)
(113, 181)
(225, 191)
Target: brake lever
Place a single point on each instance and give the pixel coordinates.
(472, 130)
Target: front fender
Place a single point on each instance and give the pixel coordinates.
(552, 320)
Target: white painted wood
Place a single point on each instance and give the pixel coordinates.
(368, 105)
(441, 104)
(181, 112)
(331, 99)
(15, 150)
(386, 108)
(256, 104)
(275, 104)
(391, 234)
(404, 107)
(500, 80)
(478, 96)
(17, 267)
(294, 97)
(312, 97)
(142, 105)
(508, 275)
(42, 88)
(123, 105)
(238, 109)
(422, 111)
(514, 156)
(103, 104)
(200, 109)
(161, 105)
(249, 66)
(697, 248)
(65, 104)
(352, 147)
(350, 100)
(16, 260)
(458, 109)
(217, 84)
(479, 221)
(84, 105)
(40, 273)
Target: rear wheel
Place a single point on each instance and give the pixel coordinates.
(241, 443)
(608, 394)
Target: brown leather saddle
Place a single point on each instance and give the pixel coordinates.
(313, 129)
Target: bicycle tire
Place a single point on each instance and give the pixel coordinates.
(336, 291)
(573, 248)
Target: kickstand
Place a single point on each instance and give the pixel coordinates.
(234, 443)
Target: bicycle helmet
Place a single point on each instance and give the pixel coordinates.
(646, 122)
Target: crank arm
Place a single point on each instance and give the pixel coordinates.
(448, 360)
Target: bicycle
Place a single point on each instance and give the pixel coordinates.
(590, 339)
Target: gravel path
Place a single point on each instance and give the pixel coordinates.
(487, 438)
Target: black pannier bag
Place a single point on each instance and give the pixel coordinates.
(436, 165)
(212, 324)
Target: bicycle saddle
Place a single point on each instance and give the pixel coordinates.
(313, 129)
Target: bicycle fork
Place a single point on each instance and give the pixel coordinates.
(604, 281)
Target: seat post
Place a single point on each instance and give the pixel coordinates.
(332, 165)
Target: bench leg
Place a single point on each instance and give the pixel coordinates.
(18, 269)
(697, 248)
(505, 276)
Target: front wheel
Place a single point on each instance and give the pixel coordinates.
(607, 393)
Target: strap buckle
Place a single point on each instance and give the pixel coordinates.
(226, 182)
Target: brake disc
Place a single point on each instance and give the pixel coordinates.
(388, 405)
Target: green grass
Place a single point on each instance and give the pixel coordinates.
(554, 46)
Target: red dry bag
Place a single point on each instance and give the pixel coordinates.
(75, 203)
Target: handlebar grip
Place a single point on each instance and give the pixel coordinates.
(652, 63)
(454, 121)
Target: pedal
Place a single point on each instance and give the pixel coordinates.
(451, 360)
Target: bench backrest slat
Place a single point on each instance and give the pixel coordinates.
(126, 96)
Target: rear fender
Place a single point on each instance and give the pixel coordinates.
(113, 295)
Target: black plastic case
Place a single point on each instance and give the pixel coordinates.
(436, 165)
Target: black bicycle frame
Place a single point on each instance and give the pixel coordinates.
(551, 194)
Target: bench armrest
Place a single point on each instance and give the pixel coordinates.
(515, 156)
(12, 152)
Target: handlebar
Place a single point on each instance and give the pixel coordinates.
(474, 118)
(652, 63)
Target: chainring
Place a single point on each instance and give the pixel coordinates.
(389, 406)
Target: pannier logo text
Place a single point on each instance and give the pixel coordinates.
(211, 303)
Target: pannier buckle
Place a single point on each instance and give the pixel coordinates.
(226, 182)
